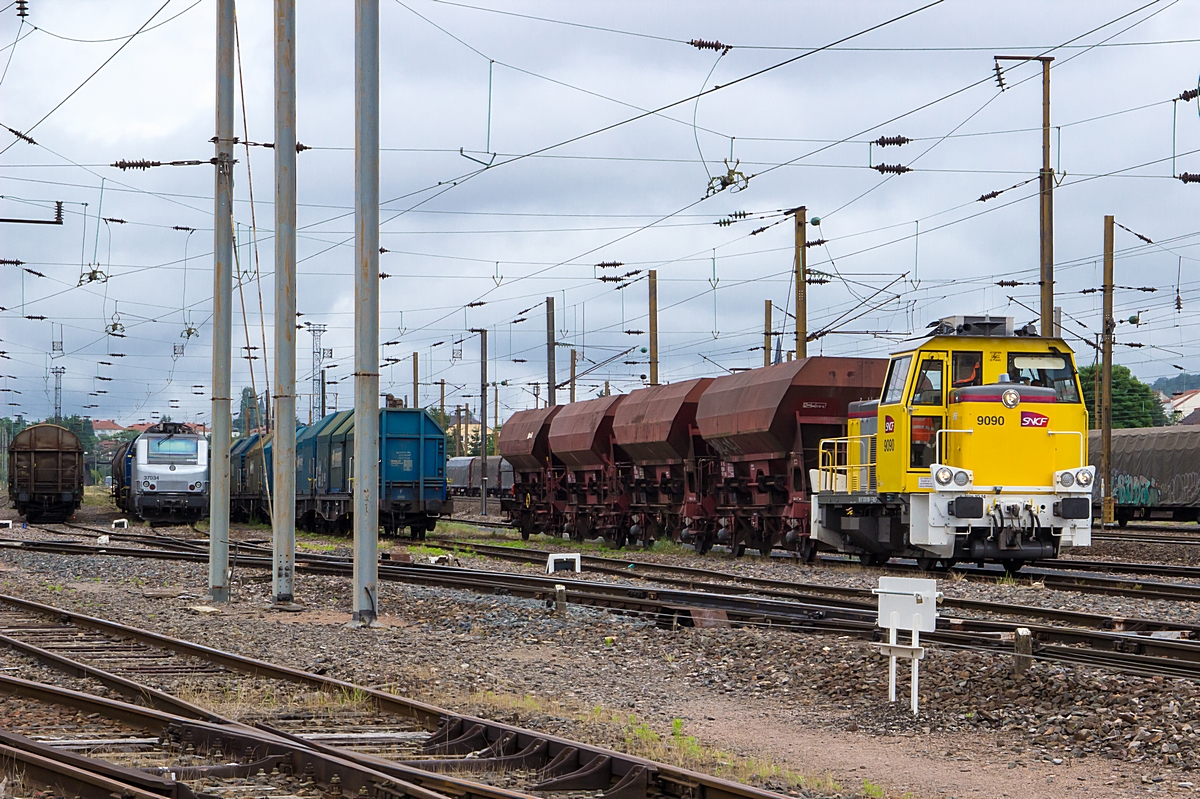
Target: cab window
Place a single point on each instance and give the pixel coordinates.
(893, 388)
(927, 390)
(924, 441)
(968, 370)
(1047, 370)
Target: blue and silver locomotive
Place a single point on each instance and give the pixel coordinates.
(162, 475)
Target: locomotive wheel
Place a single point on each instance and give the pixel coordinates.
(1013, 567)
(873, 560)
(946, 564)
(926, 564)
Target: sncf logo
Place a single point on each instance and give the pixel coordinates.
(1031, 419)
(889, 424)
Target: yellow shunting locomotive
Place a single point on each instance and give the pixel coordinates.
(976, 450)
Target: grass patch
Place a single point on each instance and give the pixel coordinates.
(310, 546)
(97, 496)
(638, 737)
(264, 700)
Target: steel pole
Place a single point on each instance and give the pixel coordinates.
(366, 311)
(222, 351)
(483, 431)
(801, 277)
(283, 534)
(654, 327)
(551, 372)
(416, 403)
(1047, 215)
(574, 358)
(1110, 325)
(767, 334)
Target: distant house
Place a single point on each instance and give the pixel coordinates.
(1183, 404)
(106, 428)
(142, 427)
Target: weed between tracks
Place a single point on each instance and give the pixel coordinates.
(628, 733)
(240, 701)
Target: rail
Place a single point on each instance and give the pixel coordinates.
(833, 462)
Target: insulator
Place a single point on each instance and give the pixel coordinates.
(1188, 177)
(891, 169)
(891, 141)
(183, 228)
(22, 8)
(723, 222)
(37, 318)
(1000, 77)
(11, 262)
(991, 195)
(1178, 303)
(302, 147)
(1190, 94)
(518, 321)
(116, 355)
(520, 360)
(607, 265)
(633, 273)
(140, 164)
(476, 303)
(1009, 284)
(756, 231)
(635, 332)
(382, 250)
(739, 215)
(610, 278)
(34, 272)
(816, 281)
(58, 212)
(703, 44)
(816, 242)
(115, 220)
(384, 275)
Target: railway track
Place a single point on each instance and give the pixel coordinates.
(1129, 645)
(358, 741)
(1062, 574)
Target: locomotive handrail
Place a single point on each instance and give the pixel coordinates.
(937, 441)
(1082, 440)
(828, 468)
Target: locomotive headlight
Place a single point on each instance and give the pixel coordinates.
(1011, 398)
(1066, 479)
(944, 476)
(1083, 477)
(961, 478)
(145, 483)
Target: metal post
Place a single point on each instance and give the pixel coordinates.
(416, 403)
(1057, 321)
(767, 334)
(458, 447)
(1106, 377)
(366, 311)
(483, 431)
(496, 418)
(551, 372)
(1047, 207)
(323, 405)
(607, 391)
(442, 405)
(573, 359)
(801, 277)
(654, 327)
(1046, 196)
(283, 534)
(222, 351)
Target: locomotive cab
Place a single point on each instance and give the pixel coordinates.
(976, 451)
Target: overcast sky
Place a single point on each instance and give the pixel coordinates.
(902, 250)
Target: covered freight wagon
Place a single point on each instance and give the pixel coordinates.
(1156, 472)
(45, 473)
(535, 504)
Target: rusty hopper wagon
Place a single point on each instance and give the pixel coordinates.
(595, 470)
(656, 429)
(524, 443)
(45, 473)
(766, 426)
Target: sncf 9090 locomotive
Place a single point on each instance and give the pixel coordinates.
(969, 444)
(975, 450)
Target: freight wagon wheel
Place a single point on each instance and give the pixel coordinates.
(703, 543)
(765, 548)
(806, 550)
(739, 550)
(1012, 567)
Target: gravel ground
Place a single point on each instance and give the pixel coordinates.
(770, 706)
